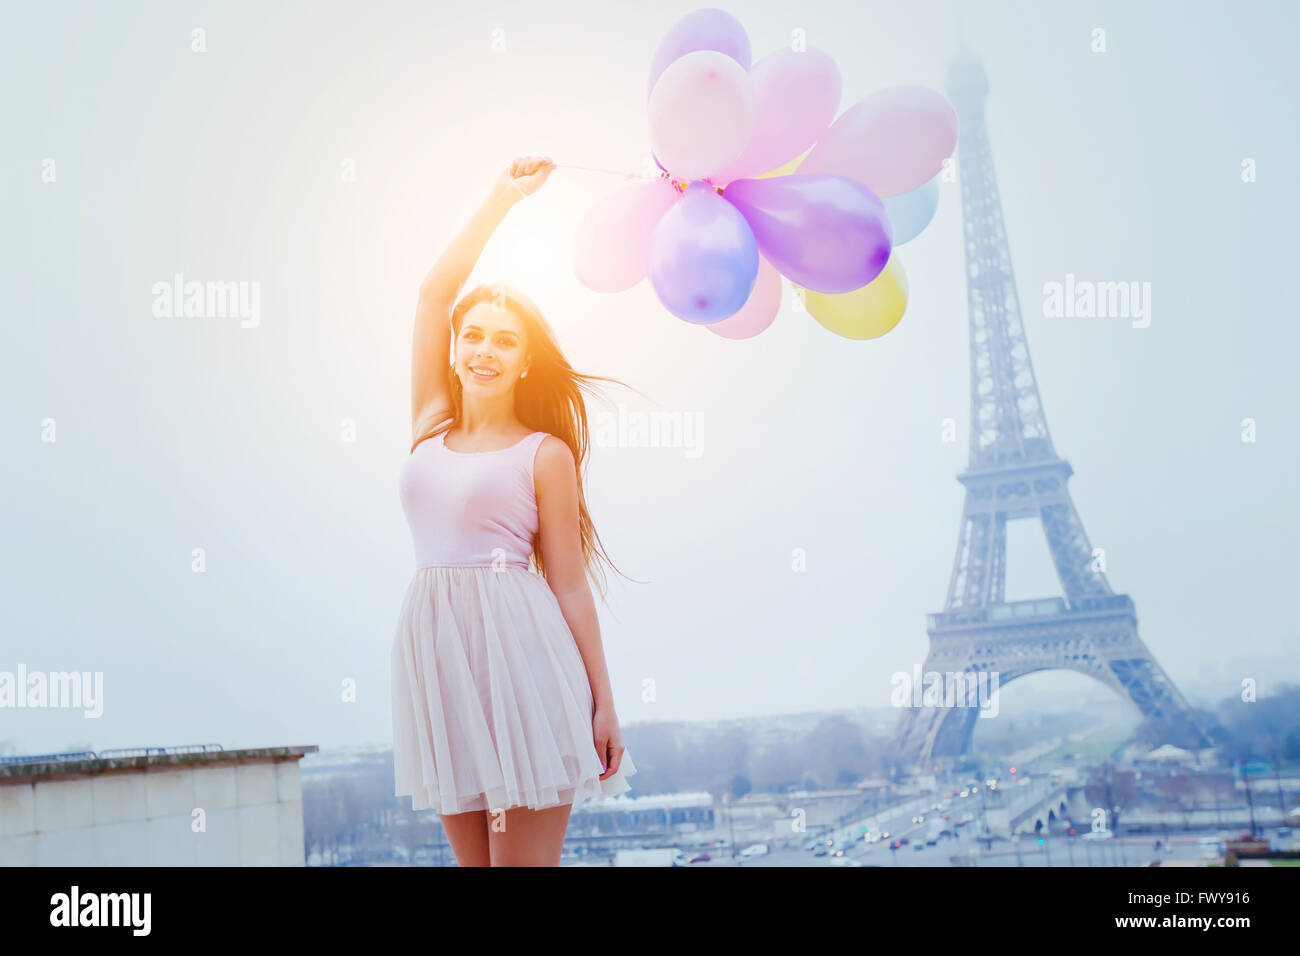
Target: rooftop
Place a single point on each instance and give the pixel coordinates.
(29, 769)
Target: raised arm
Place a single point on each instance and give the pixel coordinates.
(431, 344)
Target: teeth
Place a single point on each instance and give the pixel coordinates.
(483, 371)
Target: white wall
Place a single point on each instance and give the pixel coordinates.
(251, 815)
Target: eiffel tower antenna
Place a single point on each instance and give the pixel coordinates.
(1015, 473)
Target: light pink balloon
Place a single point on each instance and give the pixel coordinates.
(611, 246)
(893, 141)
(795, 99)
(701, 114)
(759, 309)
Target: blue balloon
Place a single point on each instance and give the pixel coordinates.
(911, 212)
(703, 257)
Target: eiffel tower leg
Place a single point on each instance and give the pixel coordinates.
(979, 571)
(1146, 684)
(925, 733)
(1071, 551)
(938, 729)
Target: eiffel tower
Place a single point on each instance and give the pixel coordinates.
(1015, 473)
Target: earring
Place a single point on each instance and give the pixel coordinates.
(525, 374)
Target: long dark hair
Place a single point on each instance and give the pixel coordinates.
(548, 399)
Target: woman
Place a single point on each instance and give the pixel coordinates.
(503, 717)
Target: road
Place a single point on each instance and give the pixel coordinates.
(1058, 850)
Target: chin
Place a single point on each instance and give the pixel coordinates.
(491, 387)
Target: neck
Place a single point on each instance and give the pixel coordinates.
(488, 415)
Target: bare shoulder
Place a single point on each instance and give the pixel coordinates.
(554, 466)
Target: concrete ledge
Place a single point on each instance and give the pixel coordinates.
(27, 773)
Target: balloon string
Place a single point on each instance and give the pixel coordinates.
(614, 172)
(678, 184)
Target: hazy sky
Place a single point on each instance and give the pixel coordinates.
(176, 433)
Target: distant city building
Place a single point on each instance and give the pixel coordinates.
(660, 811)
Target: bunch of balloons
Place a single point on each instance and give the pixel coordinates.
(757, 182)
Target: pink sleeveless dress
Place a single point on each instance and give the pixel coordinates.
(492, 707)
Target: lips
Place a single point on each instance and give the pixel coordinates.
(483, 373)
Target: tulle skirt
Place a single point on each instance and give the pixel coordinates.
(492, 707)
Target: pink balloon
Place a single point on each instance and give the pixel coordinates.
(795, 99)
(706, 29)
(759, 309)
(611, 246)
(893, 141)
(701, 114)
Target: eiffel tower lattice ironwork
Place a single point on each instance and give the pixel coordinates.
(1015, 473)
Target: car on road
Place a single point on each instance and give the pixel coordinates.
(821, 851)
(701, 858)
(1099, 835)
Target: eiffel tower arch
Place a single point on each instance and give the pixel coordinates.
(1015, 473)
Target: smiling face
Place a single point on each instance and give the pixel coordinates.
(491, 350)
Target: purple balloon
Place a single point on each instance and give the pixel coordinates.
(705, 29)
(826, 233)
(703, 258)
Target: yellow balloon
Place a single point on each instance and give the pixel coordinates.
(865, 313)
(785, 170)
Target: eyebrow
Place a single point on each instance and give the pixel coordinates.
(499, 331)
